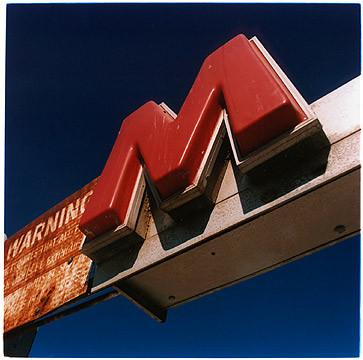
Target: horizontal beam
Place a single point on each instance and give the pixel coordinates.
(302, 199)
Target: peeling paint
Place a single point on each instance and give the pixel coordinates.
(44, 268)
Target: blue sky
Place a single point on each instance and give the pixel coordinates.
(75, 71)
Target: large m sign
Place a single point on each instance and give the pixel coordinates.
(171, 150)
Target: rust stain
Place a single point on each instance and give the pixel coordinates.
(44, 267)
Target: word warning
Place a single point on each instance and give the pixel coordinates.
(44, 267)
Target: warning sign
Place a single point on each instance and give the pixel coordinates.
(44, 267)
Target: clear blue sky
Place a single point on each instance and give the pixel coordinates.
(75, 71)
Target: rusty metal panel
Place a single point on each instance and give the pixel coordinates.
(44, 268)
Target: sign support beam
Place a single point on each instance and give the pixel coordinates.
(305, 198)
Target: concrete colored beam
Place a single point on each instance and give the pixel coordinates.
(303, 199)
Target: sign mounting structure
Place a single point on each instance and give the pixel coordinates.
(243, 122)
(311, 200)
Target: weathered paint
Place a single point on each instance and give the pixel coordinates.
(44, 268)
(237, 77)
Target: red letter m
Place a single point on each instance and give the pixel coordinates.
(235, 77)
